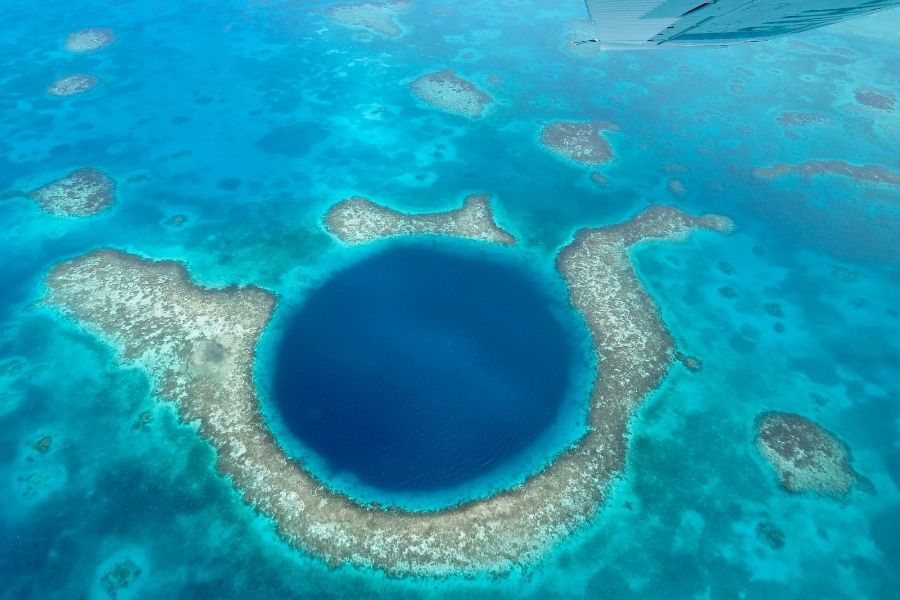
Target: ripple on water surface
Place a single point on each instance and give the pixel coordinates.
(419, 370)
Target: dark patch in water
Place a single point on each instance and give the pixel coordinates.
(229, 184)
(420, 369)
(292, 140)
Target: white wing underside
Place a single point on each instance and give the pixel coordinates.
(703, 22)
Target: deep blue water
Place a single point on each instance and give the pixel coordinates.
(420, 368)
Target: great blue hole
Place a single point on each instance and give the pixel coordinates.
(420, 369)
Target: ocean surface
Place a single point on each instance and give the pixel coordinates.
(251, 119)
(419, 371)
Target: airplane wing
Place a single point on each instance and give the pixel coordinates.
(639, 23)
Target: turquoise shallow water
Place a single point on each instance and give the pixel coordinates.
(252, 118)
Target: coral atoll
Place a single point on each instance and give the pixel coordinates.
(198, 345)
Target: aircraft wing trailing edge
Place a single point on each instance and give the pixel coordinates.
(646, 23)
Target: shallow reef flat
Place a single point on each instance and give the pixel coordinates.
(451, 93)
(806, 456)
(377, 17)
(359, 220)
(198, 346)
(862, 174)
(580, 141)
(792, 121)
(89, 40)
(72, 85)
(877, 99)
(81, 193)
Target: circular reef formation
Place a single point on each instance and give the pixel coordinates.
(807, 457)
(431, 368)
(88, 40)
(198, 345)
(72, 85)
(451, 93)
(81, 193)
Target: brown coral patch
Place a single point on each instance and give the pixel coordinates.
(449, 92)
(863, 174)
(376, 17)
(580, 141)
(806, 456)
(72, 85)
(89, 40)
(79, 194)
(358, 220)
(875, 99)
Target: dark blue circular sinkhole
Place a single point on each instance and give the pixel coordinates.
(420, 369)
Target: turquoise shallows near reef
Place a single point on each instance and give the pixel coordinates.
(198, 345)
(423, 368)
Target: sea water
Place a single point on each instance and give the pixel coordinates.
(420, 369)
(204, 111)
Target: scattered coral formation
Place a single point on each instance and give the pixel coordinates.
(867, 174)
(74, 84)
(88, 40)
(676, 186)
(176, 220)
(789, 119)
(42, 445)
(198, 345)
(377, 17)
(79, 194)
(598, 179)
(691, 363)
(727, 292)
(11, 367)
(11, 377)
(581, 141)
(807, 457)
(771, 534)
(120, 577)
(726, 267)
(449, 92)
(357, 220)
(875, 99)
(773, 309)
(142, 423)
(34, 485)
